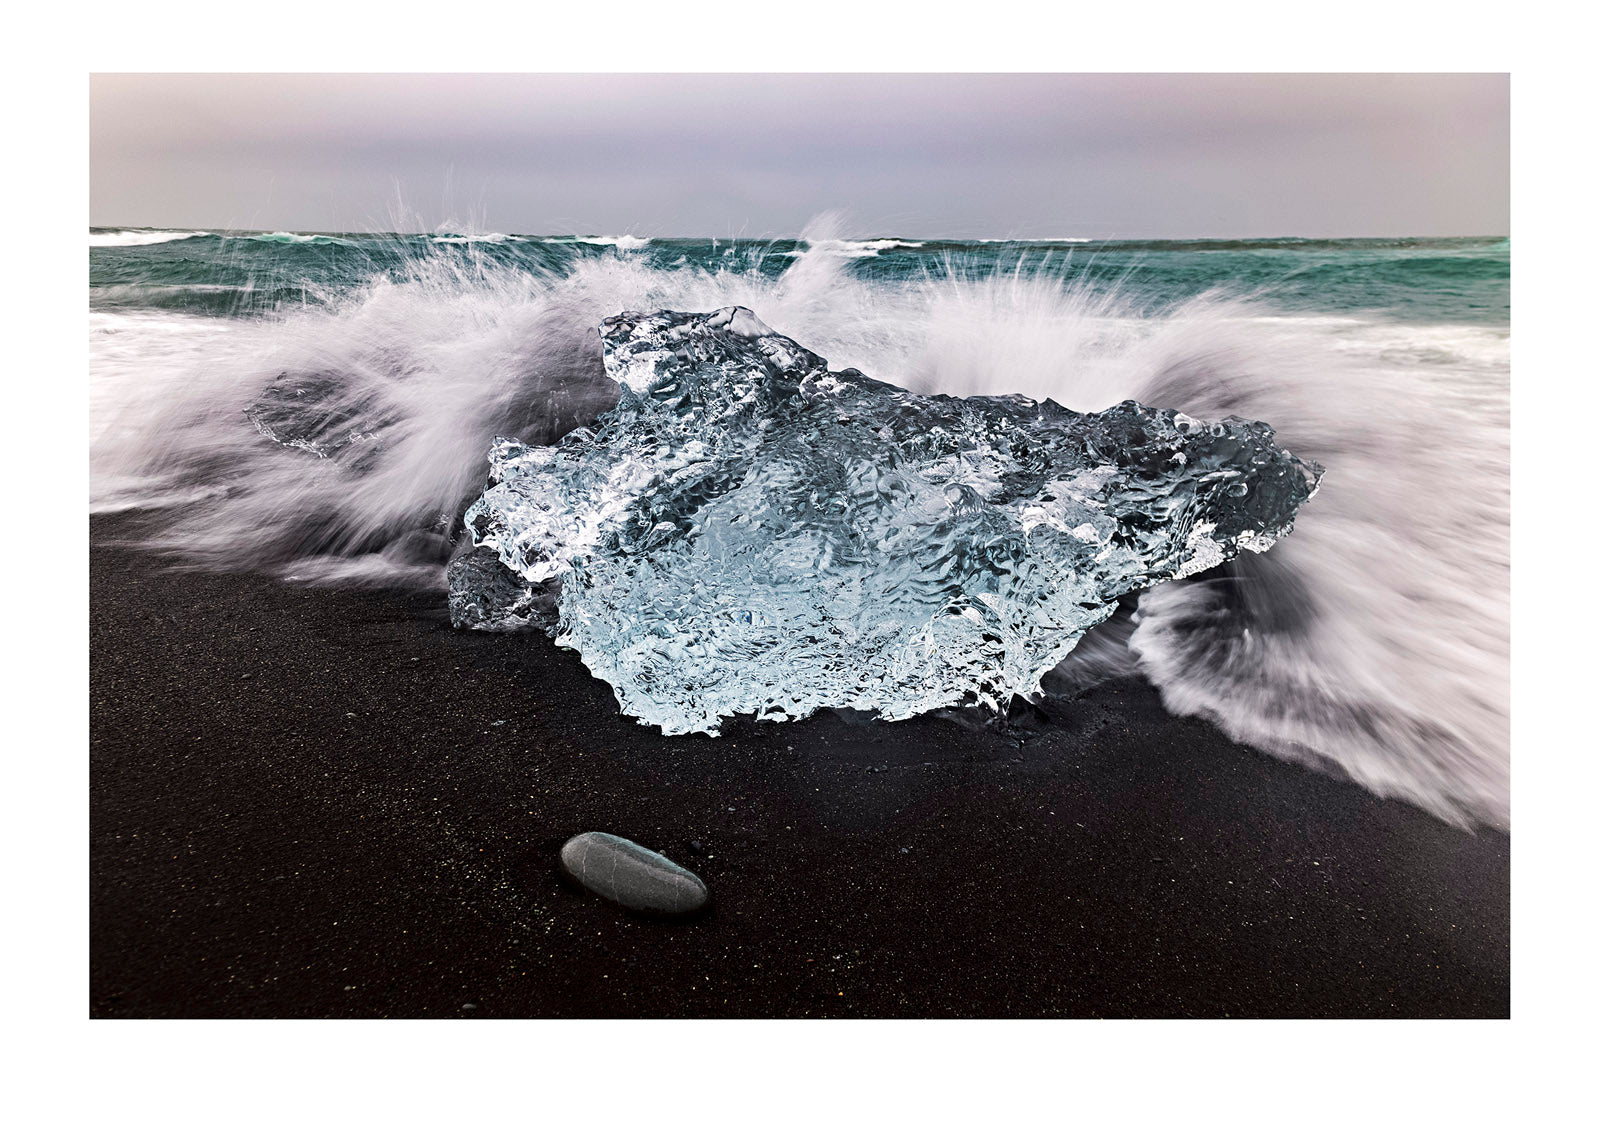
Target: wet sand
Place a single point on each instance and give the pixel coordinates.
(328, 803)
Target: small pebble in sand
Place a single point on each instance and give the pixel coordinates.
(631, 875)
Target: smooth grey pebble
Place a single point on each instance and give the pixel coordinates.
(632, 876)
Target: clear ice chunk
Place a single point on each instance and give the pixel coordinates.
(748, 533)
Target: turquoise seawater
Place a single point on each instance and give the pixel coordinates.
(238, 273)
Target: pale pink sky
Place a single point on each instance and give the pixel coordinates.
(1026, 156)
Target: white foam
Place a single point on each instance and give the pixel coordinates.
(294, 237)
(138, 238)
(852, 249)
(621, 243)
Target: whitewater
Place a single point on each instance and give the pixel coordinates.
(1371, 643)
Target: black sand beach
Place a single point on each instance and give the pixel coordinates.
(322, 803)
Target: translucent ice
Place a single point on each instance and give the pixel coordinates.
(750, 533)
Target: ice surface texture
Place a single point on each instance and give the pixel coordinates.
(750, 533)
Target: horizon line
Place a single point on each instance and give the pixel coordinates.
(769, 238)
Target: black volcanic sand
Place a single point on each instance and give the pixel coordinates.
(322, 803)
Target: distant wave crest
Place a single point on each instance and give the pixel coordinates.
(137, 237)
(295, 237)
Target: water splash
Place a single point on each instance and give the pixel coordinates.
(1374, 641)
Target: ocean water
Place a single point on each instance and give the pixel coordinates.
(1371, 643)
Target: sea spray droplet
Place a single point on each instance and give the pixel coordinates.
(631, 875)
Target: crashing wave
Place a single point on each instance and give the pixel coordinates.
(750, 533)
(1374, 641)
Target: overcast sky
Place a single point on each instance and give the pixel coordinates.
(1024, 156)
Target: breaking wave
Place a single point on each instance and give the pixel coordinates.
(293, 237)
(1373, 641)
(621, 243)
(137, 237)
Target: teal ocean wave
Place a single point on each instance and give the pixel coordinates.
(1464, 279)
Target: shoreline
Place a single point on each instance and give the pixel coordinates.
(328, 803)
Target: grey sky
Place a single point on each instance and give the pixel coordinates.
(1026, 156)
